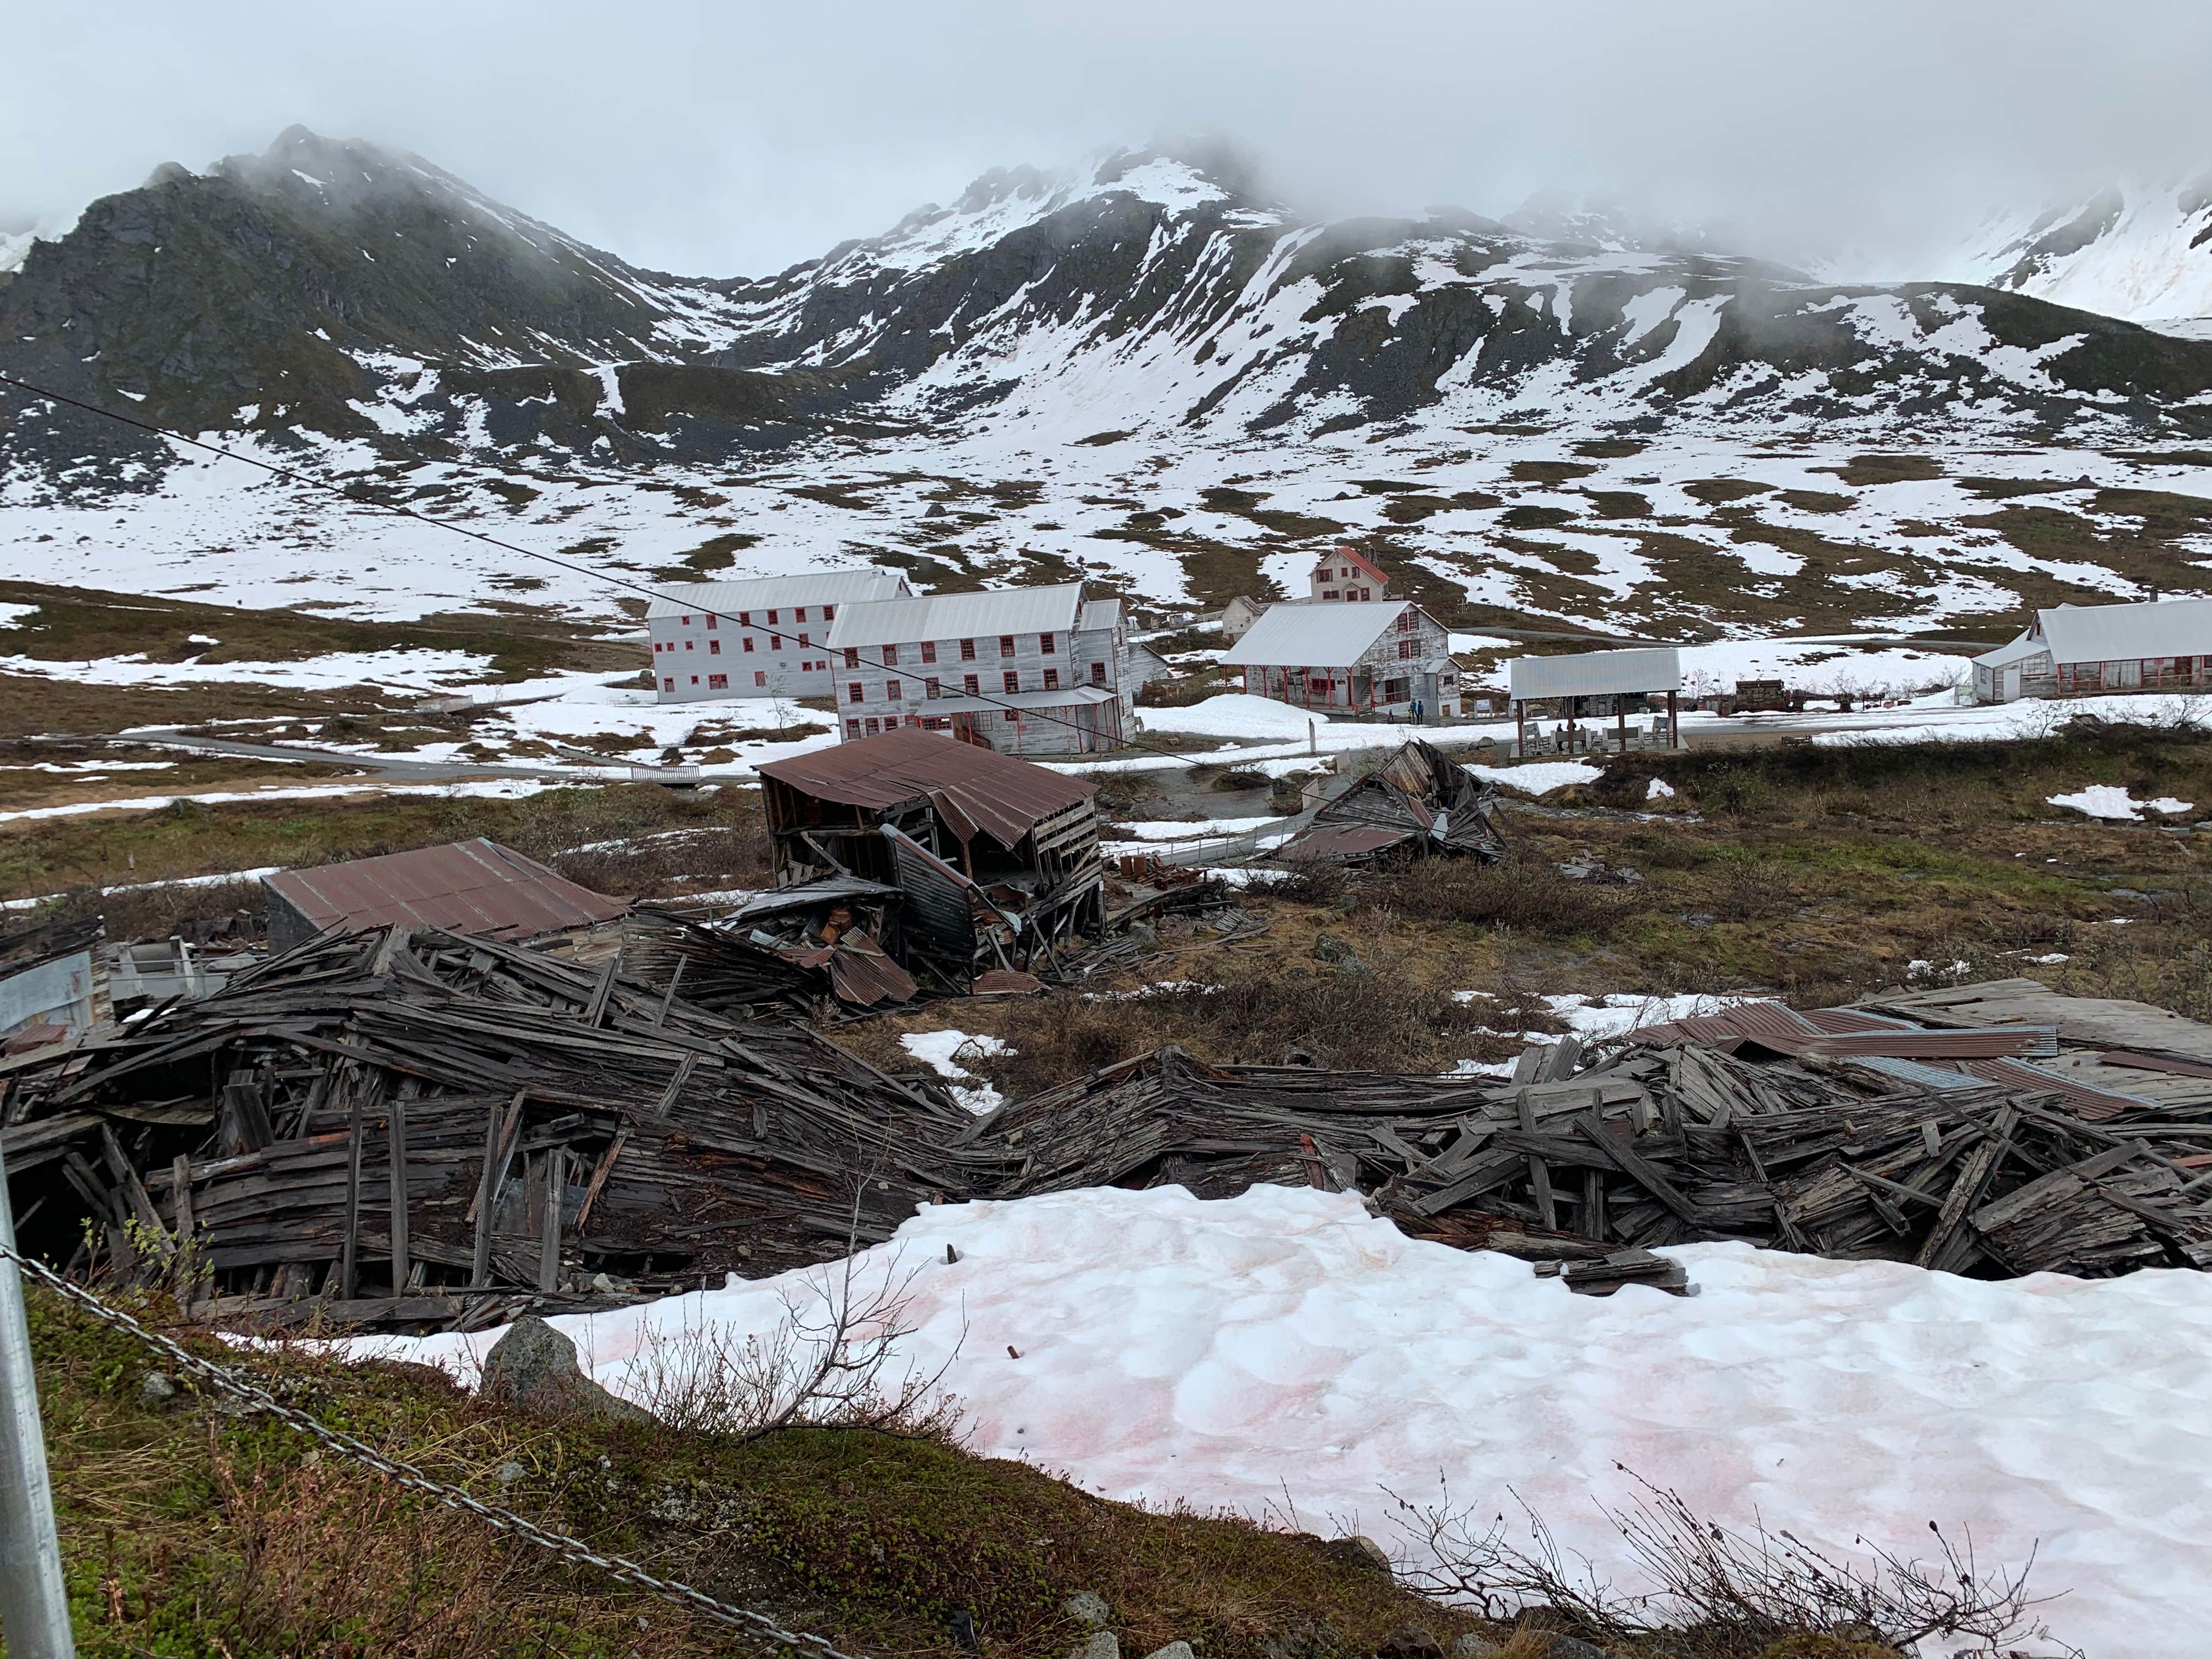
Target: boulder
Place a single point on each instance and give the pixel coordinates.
(1086, 1608)
(533, 1368)
(1363, 1553)
(1173, 1651)
(1099, 1644)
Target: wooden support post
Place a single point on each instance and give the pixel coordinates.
(396, 1117)
(1674, 721)
(349, 1246)
(605, 992)
(498, 1147)
(180, 1200)
(1539, 1176)
(549, 1232)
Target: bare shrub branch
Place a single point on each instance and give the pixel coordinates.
(1756, 1584)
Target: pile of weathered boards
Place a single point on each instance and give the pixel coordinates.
(416, 1127)
(1943, 1129)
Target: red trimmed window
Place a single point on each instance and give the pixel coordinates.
(1098, 673)
(891, 656)
(852, 658)
(967, 683)
(718, 682)
(1013, 681)
(760, 677)
(1044, 644)
(891, 690)
(1052, 679)
(856, 692)
(1006, 644)
(749, 641)
(713, 648)
(967, 650)
(929, 650)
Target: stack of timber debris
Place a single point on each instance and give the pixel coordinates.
(420, 1127)
(1854, 1133)
(1420, 799)
(796, 952)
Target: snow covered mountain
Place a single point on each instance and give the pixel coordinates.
(1144, 370)
(2141, 251)
(340, 290)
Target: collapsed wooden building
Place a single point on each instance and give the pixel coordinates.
(1996, 1130)
(1421, 800)
(414, 1125)
(413, 1128)
(977, 862)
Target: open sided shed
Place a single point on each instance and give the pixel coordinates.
(997, 858)
(1596, 685)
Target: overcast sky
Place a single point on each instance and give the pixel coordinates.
(726, 137)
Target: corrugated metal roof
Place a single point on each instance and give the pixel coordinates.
(1099, 613)
(1595, 673)
(852, 587)
(2091, 1104)
(1315, 635)
(2120, 633)
(979, 615)
(1004, 796)
(1834, 1032)
(469, 887)
(1332, 842)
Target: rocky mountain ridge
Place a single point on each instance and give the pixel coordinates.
(335, 291)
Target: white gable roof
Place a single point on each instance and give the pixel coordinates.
(2118, 632)
(1326, 636)
(851, 586)
(1594, 674)
(990, 610)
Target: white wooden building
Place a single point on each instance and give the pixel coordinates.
(1024, 670)
(1345, 575)
(2079, 650)
(1365, 657)
(766, 637)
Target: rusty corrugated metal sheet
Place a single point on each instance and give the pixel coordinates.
(861, 975)
(1336, 841)
(1835, 1033)
(1000, 795)
(469, 887)
(2091, 1104)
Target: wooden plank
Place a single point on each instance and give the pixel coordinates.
(395, 1138)
(134, 1196)
(600, 1174)
(549, 1237)
(1967, 1191)
(1539, 1177)
(1643, 1174)
(180, 1200)
(349, 1244)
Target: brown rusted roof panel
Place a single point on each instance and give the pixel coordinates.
(469, 887)
(1004, 796)
(1340, 843)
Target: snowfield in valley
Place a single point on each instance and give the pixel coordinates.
(1285, 1347)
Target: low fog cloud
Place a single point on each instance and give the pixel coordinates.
(720, 138)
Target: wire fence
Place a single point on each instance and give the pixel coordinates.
(570, 1549)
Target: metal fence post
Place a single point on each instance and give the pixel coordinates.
(34, 1615)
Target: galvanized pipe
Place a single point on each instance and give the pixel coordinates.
(33, 1600)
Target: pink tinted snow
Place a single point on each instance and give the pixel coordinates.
(1285, 1346)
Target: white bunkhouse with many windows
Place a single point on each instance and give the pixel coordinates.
(1024, 670)
(1360, 657)
(767, 637)
(2079, 650)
